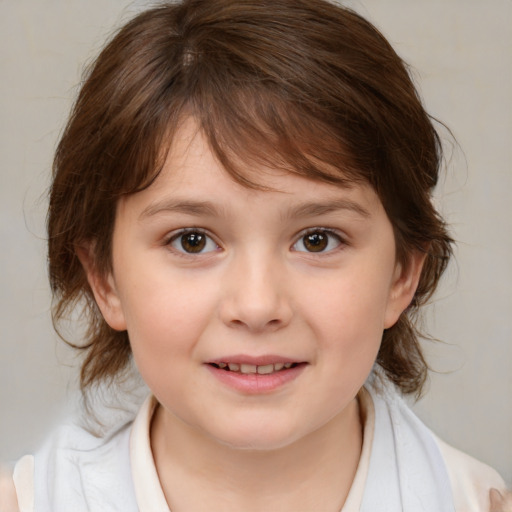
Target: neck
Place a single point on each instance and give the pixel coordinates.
(194, 469)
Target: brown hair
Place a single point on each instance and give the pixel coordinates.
(301, 85)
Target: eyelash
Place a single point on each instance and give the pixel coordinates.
(177, 235)
(322, 242)
(328, 233)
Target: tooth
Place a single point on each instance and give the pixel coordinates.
(264, 370)
(234, 367)
(222, 365)
(248, 368)
(278, 366)
(288, 365)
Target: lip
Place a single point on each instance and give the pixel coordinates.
(254, 383)
(255, 360)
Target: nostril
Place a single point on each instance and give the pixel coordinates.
(270, 324)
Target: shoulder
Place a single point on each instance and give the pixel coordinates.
(76, 464)
(470, 479)
(73, 470)
(467, 480)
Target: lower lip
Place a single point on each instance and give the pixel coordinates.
(254, 383)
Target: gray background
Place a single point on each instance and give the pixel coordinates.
(461, 53)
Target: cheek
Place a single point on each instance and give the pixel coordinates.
(347, 317)
(165, 319)
(350, 310)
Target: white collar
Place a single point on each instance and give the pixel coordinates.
(149, 493)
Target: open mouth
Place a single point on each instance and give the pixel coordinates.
(248, 369)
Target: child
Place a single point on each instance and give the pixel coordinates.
(242, 200)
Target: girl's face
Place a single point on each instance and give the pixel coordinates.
(254, 316)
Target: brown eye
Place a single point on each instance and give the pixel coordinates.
(319, 240)
(315, 242)
(193, 242)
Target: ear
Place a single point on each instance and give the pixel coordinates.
(403, 288)
(103, 288)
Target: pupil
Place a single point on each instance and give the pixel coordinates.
(315, 242)
(193, 242)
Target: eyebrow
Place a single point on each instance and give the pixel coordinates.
(196, 208)
(205, 208)
(315, 209)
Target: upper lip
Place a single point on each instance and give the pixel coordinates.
(254, 360)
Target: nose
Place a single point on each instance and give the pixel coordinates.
(256, 296)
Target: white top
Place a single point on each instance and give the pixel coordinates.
(130, 459)
(148, 491)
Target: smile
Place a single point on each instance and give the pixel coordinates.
(247, 369)
(256, 375)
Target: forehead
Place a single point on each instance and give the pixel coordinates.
(193, 180)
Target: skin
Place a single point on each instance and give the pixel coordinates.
(500, 501)
(8, 499)
(256, 289)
